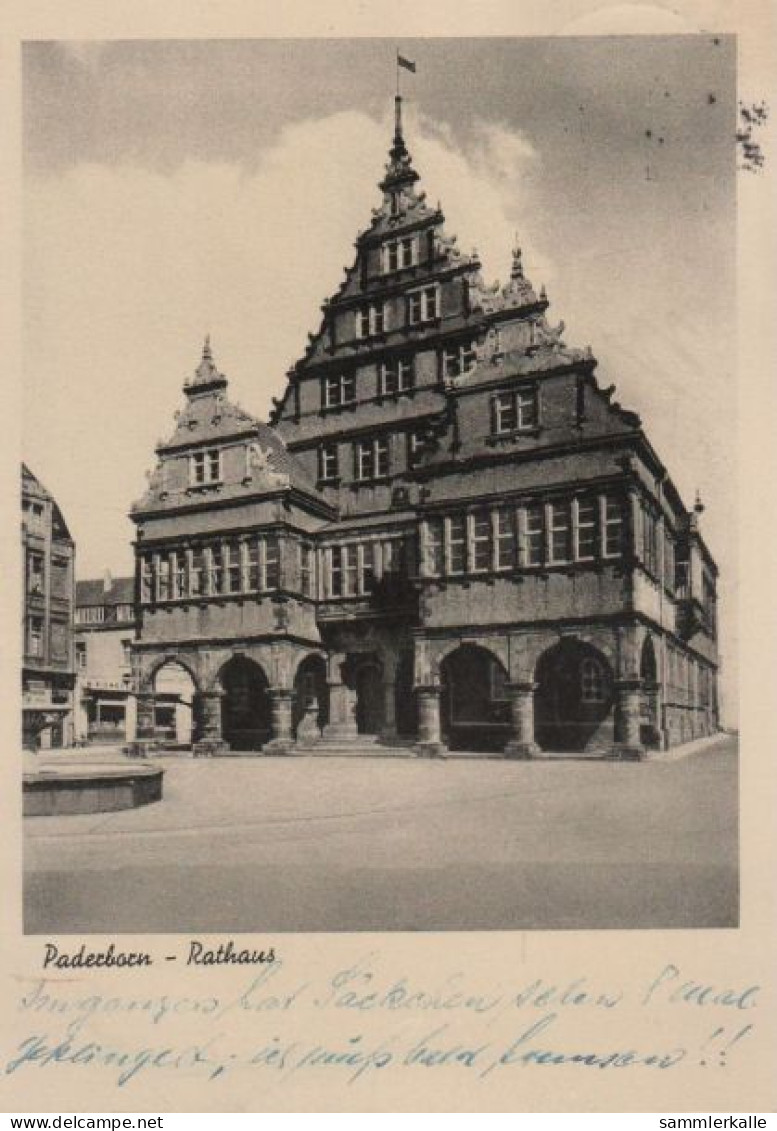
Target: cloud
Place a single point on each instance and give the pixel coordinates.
(126, 269)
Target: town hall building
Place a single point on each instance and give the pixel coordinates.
(448, 536)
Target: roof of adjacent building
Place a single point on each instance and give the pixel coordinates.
(105, 591)
(32, 488)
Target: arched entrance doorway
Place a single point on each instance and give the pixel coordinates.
(405, 705)
(650, 721)
(174, 698)
(574, 698)
(475, 709)
(368, 684)
(245, 708)
(311, 689)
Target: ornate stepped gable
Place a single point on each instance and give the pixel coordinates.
(252, 458)
(379, 314)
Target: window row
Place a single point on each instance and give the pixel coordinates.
(689, 680)
(82, 654)
(247, 566)
(352, 570)
(233, 566)
(656, 549)
(535, 534)
(396, 375)
(397, 254)
(104, 614)
(372, 319)
(512, 410)
(371, 457)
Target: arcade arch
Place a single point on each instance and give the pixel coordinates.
(475, 709)
(574, 697)
(174, 703)
(246, 718)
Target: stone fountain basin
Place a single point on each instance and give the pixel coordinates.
(67, 783)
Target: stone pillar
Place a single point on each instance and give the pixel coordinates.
(521, 743)
(652, 700)
(282, 739)
(342, 703)
(145, 716)
(211, 740)
(430, 742)
(628, 701)
(389, 728)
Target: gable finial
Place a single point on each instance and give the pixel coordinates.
(398, 139)
(517, 268)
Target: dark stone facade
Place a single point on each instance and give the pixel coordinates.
(448, 535)
(48, 671)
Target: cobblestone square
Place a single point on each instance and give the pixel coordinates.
(382, 844)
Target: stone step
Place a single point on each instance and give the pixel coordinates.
(367, 749)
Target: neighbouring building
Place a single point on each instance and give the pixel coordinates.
(48, 674)
(104, 632)
(448, 534)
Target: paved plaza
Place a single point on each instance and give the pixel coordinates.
(356, 844)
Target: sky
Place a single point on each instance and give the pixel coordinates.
(178, 188)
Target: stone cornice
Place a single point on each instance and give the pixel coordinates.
(305, 501)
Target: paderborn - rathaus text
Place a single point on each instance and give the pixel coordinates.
(448, 536)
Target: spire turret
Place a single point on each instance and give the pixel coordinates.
(516, 271)
(206, 375)
(398, 139)
(399, 170)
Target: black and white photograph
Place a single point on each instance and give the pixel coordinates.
(378, 484)
(387, 474)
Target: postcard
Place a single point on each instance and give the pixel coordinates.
(390, 397)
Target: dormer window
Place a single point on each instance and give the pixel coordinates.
(515, 411)
(396, 375)
(371, 459)
(398, 254)
(339, 390)
(328, 464)
(205, 467)
(371, 320)
(423, 305)
(460, 359)
(416, 449)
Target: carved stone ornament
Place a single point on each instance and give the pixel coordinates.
(547, 335)
(258, 467)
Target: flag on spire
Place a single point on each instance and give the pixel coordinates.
(408, 64)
